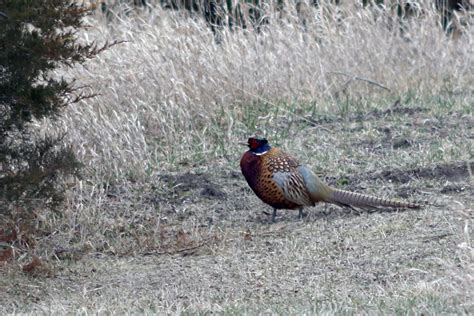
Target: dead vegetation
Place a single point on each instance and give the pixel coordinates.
(162, 221)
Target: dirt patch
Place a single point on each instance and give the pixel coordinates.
(370, 115)
(183, 184)
(400, 110)
(453, 188)
(402, 143)
(186, 181)
(406, 191)
(453, 172)
(454, 175)
(394, 110)
(212, 192)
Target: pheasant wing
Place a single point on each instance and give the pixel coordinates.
(293, 187)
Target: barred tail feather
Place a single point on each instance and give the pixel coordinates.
(347, 198)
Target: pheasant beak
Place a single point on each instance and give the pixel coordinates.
(243, 144)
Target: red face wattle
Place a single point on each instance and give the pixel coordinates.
(254, 143)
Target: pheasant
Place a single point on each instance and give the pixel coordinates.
(282, 182)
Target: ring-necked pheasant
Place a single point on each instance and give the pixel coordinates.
(281, 181)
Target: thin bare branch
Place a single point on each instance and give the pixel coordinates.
(354, 77)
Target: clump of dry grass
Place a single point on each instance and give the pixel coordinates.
(170, 94)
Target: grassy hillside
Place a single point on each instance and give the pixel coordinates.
(163, 221)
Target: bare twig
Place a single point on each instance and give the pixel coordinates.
(354, 77)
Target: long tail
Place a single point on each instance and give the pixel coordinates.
(352, 199)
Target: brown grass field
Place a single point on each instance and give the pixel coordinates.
(163, 222)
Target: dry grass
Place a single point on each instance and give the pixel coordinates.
(163, 222)
(171, 95)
